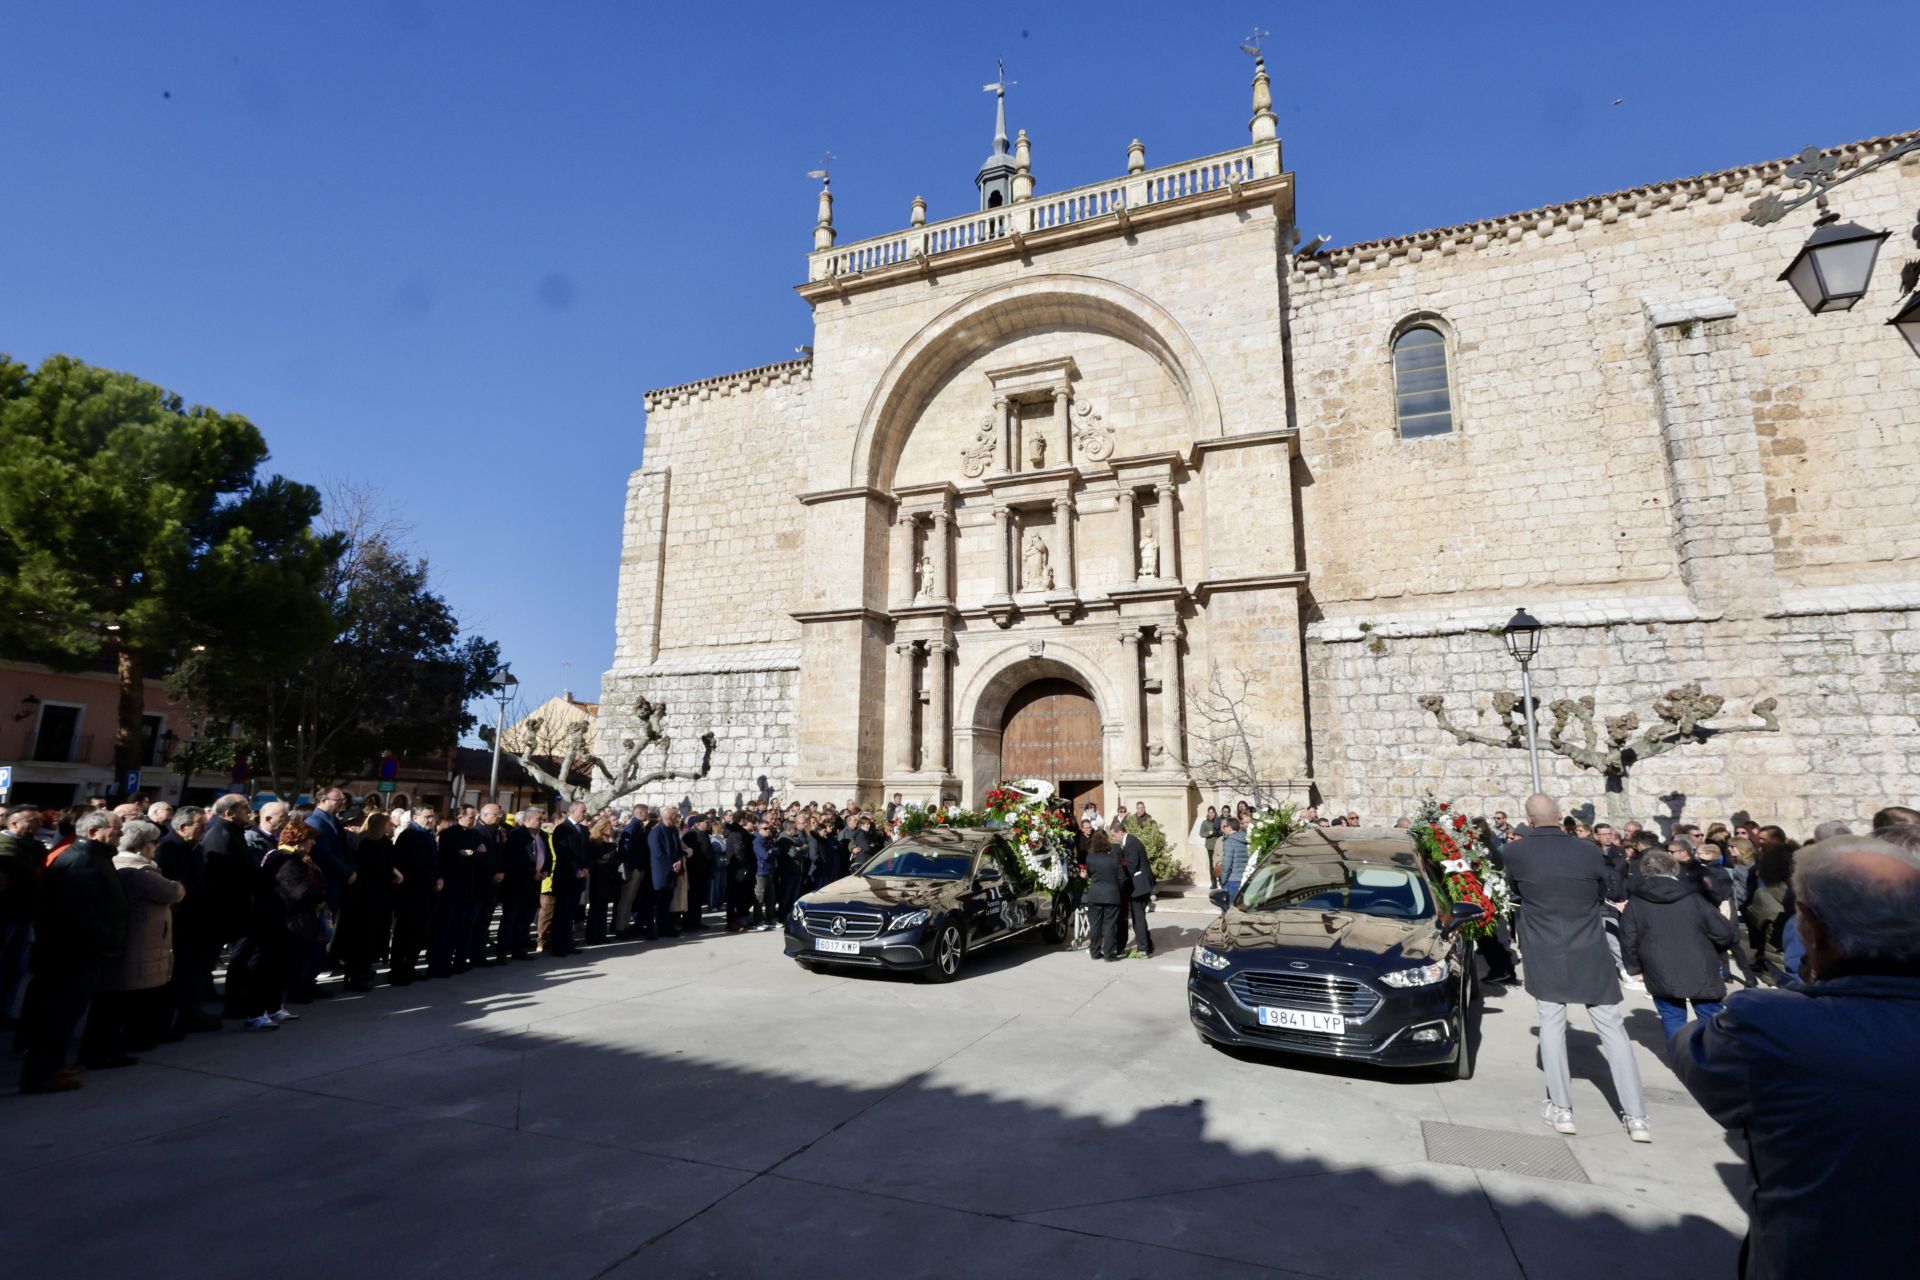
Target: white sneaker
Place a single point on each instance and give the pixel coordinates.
(1636, 1127)
(279, 1016)
(1632, 983)
(261, 1023)
(1561, 1118)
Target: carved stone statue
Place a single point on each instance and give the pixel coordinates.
(924, 583)
(1149, 554)
(1034, 574)
(976, 457)
(1036, 450)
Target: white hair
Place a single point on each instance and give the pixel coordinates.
(137, 835)
(186, 817)
(91, 821)
(1828, 830)
(1864, 916)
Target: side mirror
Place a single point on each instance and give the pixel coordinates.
(1220, 898)
(1464, 913)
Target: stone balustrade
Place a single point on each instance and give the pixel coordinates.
(1112, 198)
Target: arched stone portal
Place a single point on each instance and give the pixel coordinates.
(1051, 730)
(999, 692)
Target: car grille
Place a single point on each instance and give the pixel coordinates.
(1318, 992)
(861, 922)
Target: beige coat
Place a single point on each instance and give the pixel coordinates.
(147, 961)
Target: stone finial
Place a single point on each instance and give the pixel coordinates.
(823, 223)
(919, 217)
(1265, 125)
(1136, 156)
(1022, 168)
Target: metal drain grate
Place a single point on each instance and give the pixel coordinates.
(1522, 1153)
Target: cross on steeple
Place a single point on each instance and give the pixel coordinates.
(995, 178)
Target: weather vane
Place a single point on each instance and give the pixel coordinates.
(1002, 84)
(826, 161)
(1252, 43)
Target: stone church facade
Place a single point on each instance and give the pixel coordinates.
(1118, 487)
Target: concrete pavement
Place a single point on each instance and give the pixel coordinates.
(706, 1108)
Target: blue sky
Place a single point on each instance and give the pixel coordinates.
(441, 248)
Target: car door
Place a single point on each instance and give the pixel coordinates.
(991, 900)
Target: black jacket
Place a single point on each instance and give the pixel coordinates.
(229, 866)
(739, 854)
(569, 840)
(518, 861)
(1139, 869)
(1674, 935)
(185, 865)
(1106, 880)
(458, 848)
(21, 864)
(417, 858)
(1562, 881)
(489, 856)
(83, 907)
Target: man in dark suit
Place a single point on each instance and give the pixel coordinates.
(1106, 891)
(633, 913)
(489, 873)
(453, 911)
(666, 862)
(569, 877)
(1140, 884)
(417, 859)
(520, 860)
(1563, 883)
(196, 944)
(696, 855)
(81, 923)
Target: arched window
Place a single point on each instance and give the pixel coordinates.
(1423, 400)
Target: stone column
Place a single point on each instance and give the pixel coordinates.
(939, 730)
(902, 559)
(1167, 662)
(1133, 741)
(901, 680)
(1129, 534)
(942, 538)
(1062, 406)
(1169, 532)
(1063, 526)
(1003, 562)
(1006, 409)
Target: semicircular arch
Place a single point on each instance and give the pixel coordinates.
(982, 704)
(1003, 312)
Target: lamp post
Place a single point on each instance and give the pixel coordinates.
(1523, 641)
(1907, 321)
(1833, 268)
(503, 683)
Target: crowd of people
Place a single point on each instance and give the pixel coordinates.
(123, 927)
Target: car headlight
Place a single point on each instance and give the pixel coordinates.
(911, 920)
(799, 912)
(1425, 976)
(1208, 958)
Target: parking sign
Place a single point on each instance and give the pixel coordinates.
(6, 782)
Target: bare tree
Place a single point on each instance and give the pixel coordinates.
(1222, 718)
(1608, 747)
(532, 740)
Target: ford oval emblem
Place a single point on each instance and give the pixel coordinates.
(839, 925)
(1291, 964)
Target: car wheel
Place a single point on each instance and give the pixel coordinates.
(1461, 1068)
(949, 950)
(1058, 929)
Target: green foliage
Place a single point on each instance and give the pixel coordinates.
(134, 527)
(1270, 828)
(1159, 857)
(394, 675)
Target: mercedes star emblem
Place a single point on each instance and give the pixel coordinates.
(839, 925)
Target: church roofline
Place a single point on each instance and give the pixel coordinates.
(1716, 186)
(725, 383)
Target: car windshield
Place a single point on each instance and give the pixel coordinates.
(921, 864)
(1280, 884)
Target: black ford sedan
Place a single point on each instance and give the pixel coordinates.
(924, 903)
(1339, 945)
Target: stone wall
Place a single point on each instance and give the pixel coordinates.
(1848, 685)
(745, 699)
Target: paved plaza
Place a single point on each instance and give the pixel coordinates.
(706, 1108)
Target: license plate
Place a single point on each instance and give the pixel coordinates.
(837, 946)
(1301, 1020)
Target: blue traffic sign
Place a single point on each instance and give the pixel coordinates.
(6, 780)
(389, 767)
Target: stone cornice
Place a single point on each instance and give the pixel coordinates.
(853, 613)
(765, 375)
(865, 491)
(1289, 436)
(1252, 582)
(1642, 201)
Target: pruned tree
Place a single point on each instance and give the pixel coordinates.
(1223, 720)
(1608, 747)
(534, 740)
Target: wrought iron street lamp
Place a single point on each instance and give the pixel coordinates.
(1522, 635)
(1832, 270)
(503, 685)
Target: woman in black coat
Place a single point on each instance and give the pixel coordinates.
(1674, 935)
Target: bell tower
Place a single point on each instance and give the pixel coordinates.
(995, 178)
